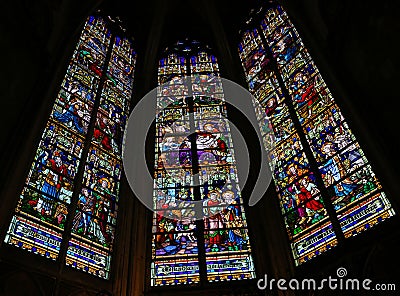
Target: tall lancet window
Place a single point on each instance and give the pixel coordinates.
(68, 207)
(326, 187)
(195, 162)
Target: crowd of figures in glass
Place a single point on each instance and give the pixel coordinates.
(195, 165)
(94, 89)
(284, 79)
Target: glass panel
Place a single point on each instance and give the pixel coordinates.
(175, 271)
(350, 182)
(298, 190)
(50, 182)
(33, 237)
(232, 267)
(95, 218)
(88, 258)
(196, 141)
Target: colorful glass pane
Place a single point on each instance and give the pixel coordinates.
(176, 234)
(34, 237)
(52, 183)
(95, 218)
(347, 178)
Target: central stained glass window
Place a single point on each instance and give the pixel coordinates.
(194, 161)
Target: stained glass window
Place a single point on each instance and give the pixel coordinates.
(73, 184)
(318, 163)
(195, 161)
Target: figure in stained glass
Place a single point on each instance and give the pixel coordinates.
(255, 63)
(304, 91)
(86, 204)
(340, 173)
(214, 220)
(234, 221)
(53, 178)
(53, 183)
(73, 115)
(209, 150)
